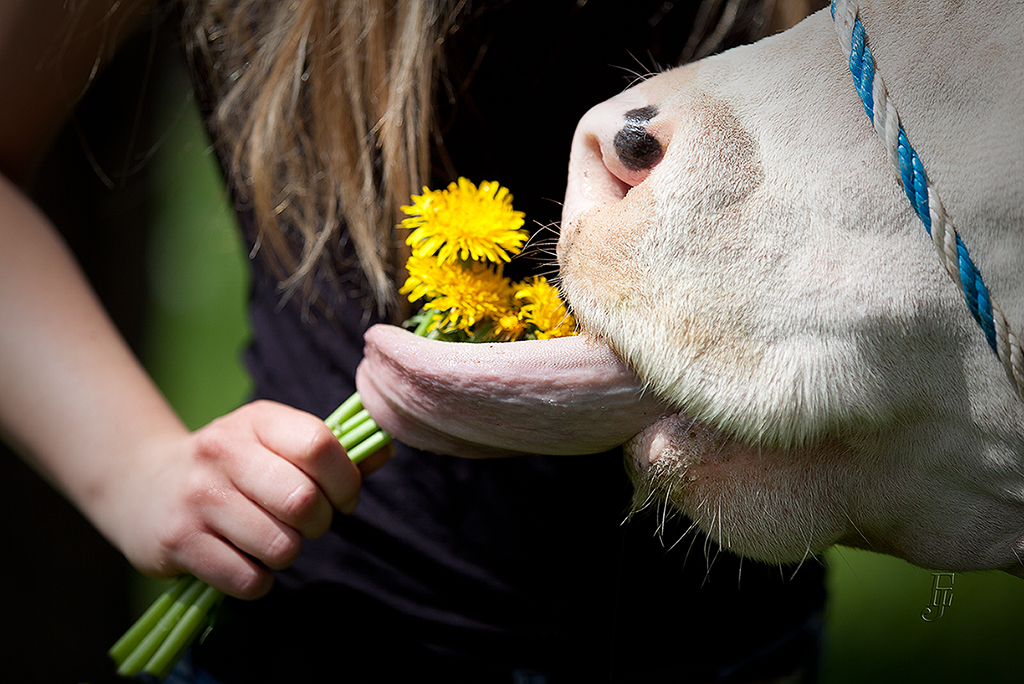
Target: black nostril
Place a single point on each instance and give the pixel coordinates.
(637, 149)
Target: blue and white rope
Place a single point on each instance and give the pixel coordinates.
(922, 194)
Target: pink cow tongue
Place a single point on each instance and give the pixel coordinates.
(571, 395)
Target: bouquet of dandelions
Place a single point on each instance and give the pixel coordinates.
(460, 239)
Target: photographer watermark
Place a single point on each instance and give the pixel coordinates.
(942, 596)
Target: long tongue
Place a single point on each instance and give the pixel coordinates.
(571, 395)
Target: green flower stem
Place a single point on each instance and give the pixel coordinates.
(349, 408)
(355, 421)
(356, 430)
(141, 655)
(192, 623)
(183, 612)
(358, 433)
(145, 624)
(425, 324)
(370, 445)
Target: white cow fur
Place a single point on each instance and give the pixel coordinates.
(771, 280)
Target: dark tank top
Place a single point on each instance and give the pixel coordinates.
(473, 569)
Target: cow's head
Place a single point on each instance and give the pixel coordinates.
(735, 231)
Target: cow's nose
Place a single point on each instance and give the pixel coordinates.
(635, 150)
(613, 150)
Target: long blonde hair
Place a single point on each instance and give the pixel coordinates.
(323, 115)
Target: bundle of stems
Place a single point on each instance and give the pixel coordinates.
(185, 610)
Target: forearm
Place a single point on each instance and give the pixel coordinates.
(225, 503)
(74, 399)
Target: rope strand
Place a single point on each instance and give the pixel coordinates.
(923, 196)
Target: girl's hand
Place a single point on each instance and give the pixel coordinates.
(235, 499)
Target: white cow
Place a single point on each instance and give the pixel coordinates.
(736, 232)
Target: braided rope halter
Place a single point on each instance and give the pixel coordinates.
(923, 196)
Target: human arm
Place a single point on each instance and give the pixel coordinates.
(77, 403)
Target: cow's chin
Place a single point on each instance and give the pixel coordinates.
(758, 471)
(773, 505)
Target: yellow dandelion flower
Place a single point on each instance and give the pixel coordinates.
(426, 278)
(465, 222)
(543, 309)
(463, 294)
(508, 328)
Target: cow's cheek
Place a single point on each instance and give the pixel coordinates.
(597, 260)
